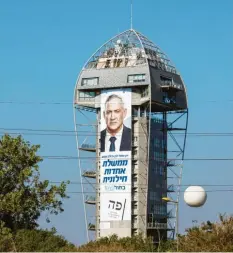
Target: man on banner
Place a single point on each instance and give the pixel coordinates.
(116, 136)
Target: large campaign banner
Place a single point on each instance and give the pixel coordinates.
(115, 157)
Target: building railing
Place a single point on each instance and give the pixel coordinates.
(88, 147)
(171, 163)
(135, 156)
(85, 145)
(135, 170)
(168, 84)
(91, 226)
(85, 99)
(157, 225)
(91, 174)
(90, 200)
(134, 184)
(170, 214)
(135, 197)
(171, 188)
(135, 143)
(134, 225)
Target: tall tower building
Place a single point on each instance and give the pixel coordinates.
(130, 108)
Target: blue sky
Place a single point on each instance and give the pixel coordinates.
(44, 45)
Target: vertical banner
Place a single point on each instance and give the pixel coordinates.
(115, 160)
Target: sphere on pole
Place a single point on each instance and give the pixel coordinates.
(195, 196)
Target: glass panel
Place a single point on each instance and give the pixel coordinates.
(81, 94)
(90, 81)
(136, 78)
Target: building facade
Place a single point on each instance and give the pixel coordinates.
(131, 89)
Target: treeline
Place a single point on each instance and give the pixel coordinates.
(33, 241)
(208, 237)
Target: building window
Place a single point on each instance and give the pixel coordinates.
(135, 162)
(150, 217)
(90, 81)
(156, 142)
(135, 112)
(136, 78)
(135, 206)
(161, 172)
(135, 179)
(135, 219)
(169, 98)
(165, 81)
(145, 92)
(154, 196)
(86, 95)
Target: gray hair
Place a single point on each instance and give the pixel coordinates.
(112, 97)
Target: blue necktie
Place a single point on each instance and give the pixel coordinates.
(112, 145)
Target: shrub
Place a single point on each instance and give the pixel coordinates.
(35, 241)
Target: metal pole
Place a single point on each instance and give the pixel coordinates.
(177, 225)
(131, 15)
(80, 174)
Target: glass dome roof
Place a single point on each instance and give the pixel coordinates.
(129, 49)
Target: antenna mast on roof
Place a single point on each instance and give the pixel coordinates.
(131, 15)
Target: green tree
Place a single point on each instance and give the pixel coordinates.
(33, 241)
(113, 243)
(211, 237)
(23, 197)
(6, 239)
(41, 241)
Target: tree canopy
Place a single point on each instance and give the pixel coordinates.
(23, 197)
(35, 240)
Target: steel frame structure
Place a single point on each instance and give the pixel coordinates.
(87, 185)
(176, 151)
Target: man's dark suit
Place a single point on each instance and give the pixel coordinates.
(125, 139)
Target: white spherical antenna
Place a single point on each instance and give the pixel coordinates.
(195, 196)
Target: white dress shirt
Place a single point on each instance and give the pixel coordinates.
(117, 141)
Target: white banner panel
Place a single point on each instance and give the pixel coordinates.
(115, 160)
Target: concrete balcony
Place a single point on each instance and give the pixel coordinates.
(171, 86)
(135, 143)
(91, 227)
(88, 147)
(171, 188)
(135, 170)
(135, 156)
(134, 211)
(90, 200)
(171, 163)
(134, 225)
(170, 215)
(89, 174)
(135, 197)
(155, 225)
(134, 185)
